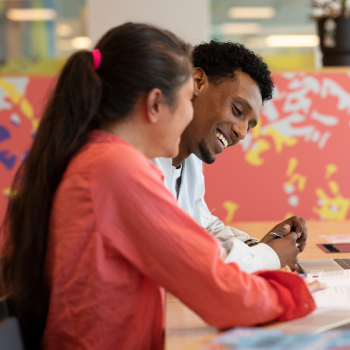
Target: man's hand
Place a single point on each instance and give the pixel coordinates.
(285, 248)
(293, 224)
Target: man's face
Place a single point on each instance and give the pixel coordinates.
(223, 114)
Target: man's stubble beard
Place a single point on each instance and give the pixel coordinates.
(206, 154)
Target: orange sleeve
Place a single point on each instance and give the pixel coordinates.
(141, 220)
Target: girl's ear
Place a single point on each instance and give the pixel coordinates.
(154, 105)
(199, 79)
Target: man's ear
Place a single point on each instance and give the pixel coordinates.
(154, 105)
(199, 79)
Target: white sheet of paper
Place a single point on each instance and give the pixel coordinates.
(319, 321)
(338, 291)
(333, 296)
(337, 238)
(331, 278)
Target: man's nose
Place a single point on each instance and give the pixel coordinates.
(240, 129)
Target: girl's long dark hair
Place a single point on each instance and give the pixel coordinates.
(135, 59)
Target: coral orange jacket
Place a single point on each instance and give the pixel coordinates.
(117, 239)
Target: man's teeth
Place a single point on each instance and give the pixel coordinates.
(221, 137)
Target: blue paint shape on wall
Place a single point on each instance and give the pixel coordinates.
(8, 161)
(4, 133)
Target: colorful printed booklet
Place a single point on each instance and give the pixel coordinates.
(273, 339)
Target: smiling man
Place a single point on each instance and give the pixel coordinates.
(231, 84)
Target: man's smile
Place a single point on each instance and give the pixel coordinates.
(222, 139)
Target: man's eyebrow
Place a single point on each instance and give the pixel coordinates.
(242, 99)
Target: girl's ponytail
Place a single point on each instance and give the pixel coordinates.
(69, 117)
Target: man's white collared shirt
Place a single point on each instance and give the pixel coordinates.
(190, 196)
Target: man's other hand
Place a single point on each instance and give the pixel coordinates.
(293, 224)
(285, 248)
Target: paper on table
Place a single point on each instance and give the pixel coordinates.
(317, 322)
(337, 238)
(331, 277)
(333, 296)
(338, 291)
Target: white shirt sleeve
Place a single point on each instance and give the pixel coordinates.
(249, 259)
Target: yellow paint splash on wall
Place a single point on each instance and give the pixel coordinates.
(17, 98)
(334, 187)
(10, 91)
(7, 192)
(279, 139)
(253, 155)
(335, 208)
(296, 177)
(231, 208)
(331, 208)
(288, 215)
(292, 164)
(299, 179)
(26, 108)
(330, 170)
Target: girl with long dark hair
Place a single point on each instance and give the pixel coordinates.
(92, 233)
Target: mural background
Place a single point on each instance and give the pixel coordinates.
(295, 162)
(21, 103)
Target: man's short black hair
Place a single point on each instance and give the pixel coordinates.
(222, 59)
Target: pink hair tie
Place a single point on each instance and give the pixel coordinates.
(97, 58)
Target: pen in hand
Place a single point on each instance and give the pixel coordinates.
(273, 234)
